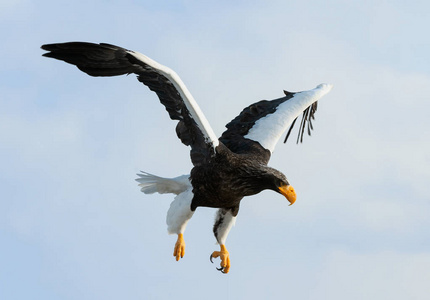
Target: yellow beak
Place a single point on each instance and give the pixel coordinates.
(289, 193)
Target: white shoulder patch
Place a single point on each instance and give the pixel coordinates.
(268, 130)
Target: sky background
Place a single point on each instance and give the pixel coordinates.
(73, 223)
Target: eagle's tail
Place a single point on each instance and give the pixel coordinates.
(150, 184)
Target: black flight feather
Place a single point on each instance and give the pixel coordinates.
(109, 60)
(307, 117)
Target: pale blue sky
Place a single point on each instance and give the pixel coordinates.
(73, 223)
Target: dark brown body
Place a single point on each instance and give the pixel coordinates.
(228, 177)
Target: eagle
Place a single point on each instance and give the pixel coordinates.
(225, 169)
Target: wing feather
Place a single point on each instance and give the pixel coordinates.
(258, 127)
(193, 128)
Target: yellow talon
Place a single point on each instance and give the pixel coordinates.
(225, 259)
(179, 247)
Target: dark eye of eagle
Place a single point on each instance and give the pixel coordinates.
(280, 183)
(279, 179)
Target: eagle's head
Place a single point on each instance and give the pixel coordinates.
(280, 184)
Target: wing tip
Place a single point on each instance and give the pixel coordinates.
(326, 87)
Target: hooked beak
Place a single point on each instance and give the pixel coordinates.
(289, 193)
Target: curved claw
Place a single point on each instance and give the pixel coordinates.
(225, 259)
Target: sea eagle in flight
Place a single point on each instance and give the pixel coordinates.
(226, 169)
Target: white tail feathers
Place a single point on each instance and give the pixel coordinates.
(153, 184)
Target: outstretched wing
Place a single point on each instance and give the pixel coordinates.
(108, 60)
(257, 129)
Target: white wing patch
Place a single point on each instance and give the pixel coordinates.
(189, 101)
(268, 130)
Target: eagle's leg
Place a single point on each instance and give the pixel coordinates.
(178, 216)
(224, 220)
(179, 250)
